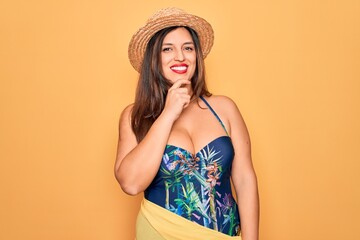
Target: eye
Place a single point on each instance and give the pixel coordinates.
(189, 49)
(166, 49)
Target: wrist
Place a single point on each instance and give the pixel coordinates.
(167, 117)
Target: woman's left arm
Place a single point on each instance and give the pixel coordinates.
(243, 174)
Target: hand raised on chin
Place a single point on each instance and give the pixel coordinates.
(177, 99)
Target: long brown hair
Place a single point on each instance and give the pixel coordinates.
(153, 86)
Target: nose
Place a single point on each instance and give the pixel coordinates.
(179, 56)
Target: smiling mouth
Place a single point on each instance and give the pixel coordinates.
(179, 69)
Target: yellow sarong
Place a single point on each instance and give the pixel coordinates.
(157, 223)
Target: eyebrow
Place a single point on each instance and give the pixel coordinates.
(185, 43)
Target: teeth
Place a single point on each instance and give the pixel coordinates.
(180, 68)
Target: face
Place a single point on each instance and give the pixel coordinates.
(178, 55)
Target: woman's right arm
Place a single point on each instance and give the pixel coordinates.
(137, 163)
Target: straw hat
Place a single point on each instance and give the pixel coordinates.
(164, 18)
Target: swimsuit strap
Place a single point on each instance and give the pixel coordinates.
(212, 110)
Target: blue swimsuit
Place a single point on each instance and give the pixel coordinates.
(197, 187)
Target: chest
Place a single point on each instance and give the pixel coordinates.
(213, 160)
(195, 128)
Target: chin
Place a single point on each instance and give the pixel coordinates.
(180, 76)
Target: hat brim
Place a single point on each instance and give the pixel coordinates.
(141, 38)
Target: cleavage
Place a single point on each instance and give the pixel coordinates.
(194, 142)
(195, 129)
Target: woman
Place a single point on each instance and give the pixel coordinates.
(179, 144)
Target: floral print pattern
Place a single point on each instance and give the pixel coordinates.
(197, 186)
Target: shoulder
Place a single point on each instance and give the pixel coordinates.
(228, 111)
(222, 103)
(127, 110)
(125, 117)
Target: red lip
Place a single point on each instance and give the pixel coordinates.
(179, 68)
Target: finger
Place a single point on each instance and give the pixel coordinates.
(186, 101)
(181, 90)
(179, 82)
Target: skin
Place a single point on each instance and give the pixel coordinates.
(183, 123)
(178, 51)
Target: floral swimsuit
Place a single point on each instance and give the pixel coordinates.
(197, 187)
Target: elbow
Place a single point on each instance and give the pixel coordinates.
(130, 190)
(128, 187)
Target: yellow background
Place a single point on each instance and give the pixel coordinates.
(293, 67)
